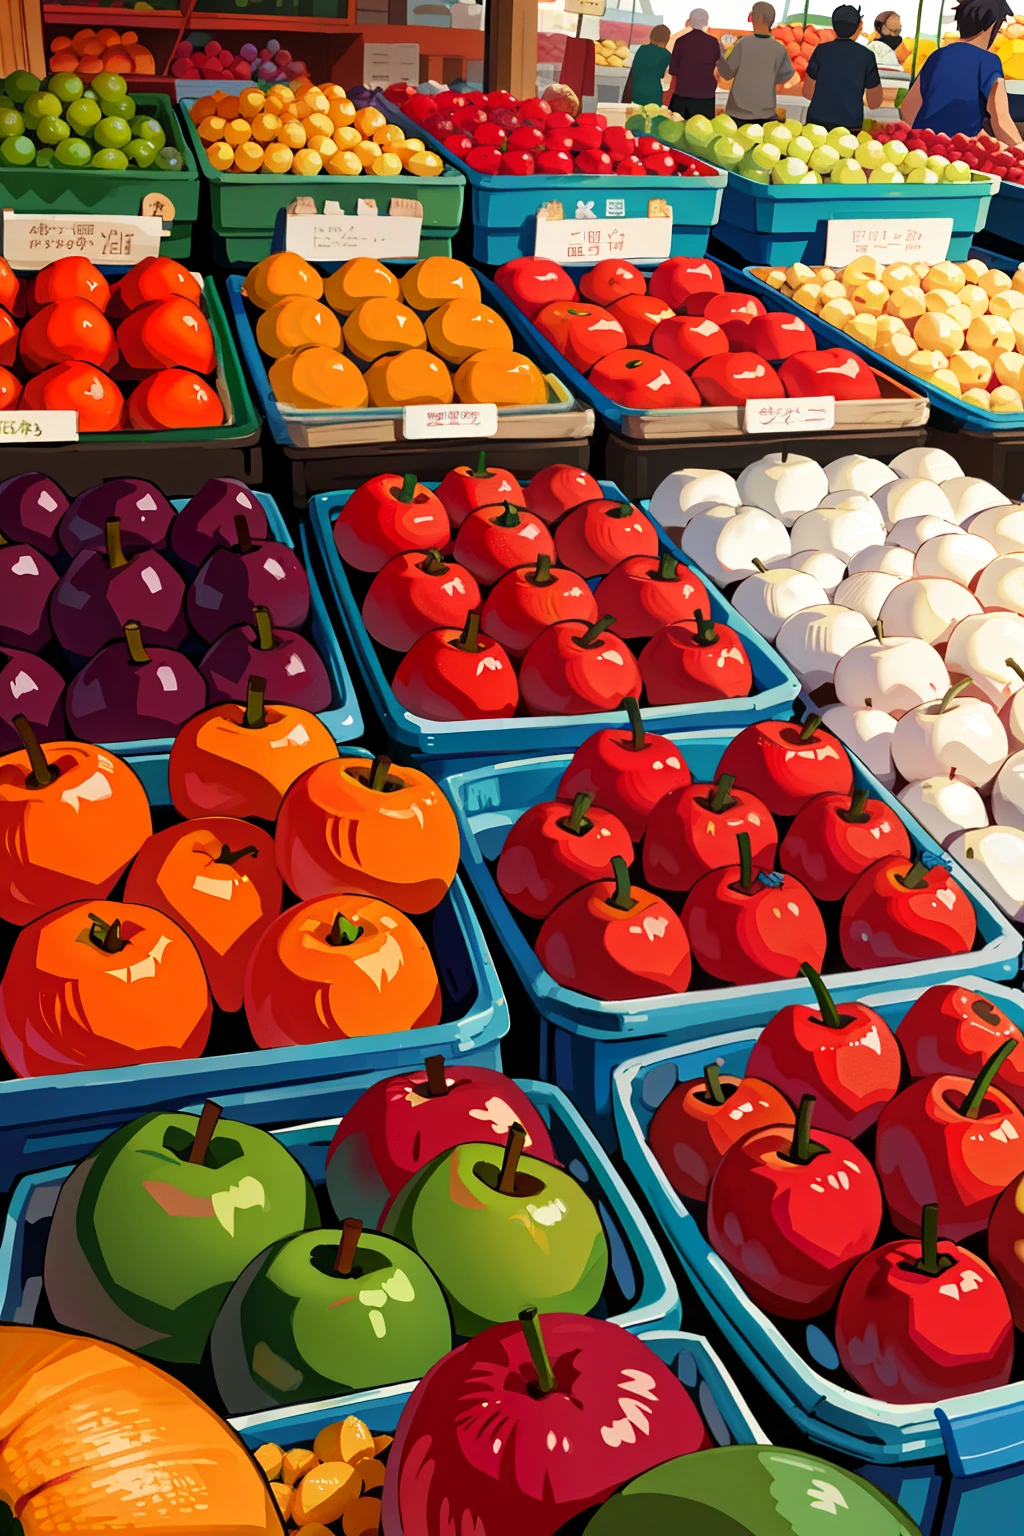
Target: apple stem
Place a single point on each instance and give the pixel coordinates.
(592, 636)
(712, 1082)
(809, 727)
(433, 565)
(879, 629)
(342, 932)
(437, 1082)
(345, 1258)
(115, 550)
(407, 490)
(952, 693)
(632, 707)
(541, 575)
(43, 773)
(855, 811)
(3, 542)
(243, 537)
(469, 640)
(576, 822)
(621, 898)
(1015, 666)
(746, 860)
(707, 634)
(255, 692)
(623, 510)
(510, 1159)
(508, 519)
(264, 627)
(136, 650)
(106, 936)
(231, 856)
(481, 472)
(530, 1324)
(759, 565)
(668, 566)
(204, 1132)
(929, 1262)
(971, 1106)
(830, 1015)
(802, 1149)
(721, 797)
(917, 875)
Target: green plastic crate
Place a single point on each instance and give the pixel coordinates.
(245, 205)
(27, 189)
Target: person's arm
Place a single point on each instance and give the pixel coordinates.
(873, 84)
(1003, 125)
(784, 66)
(810, 78)
(728, 67)
(910, 106)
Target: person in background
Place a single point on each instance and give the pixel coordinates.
(650, 64)
(757, 66)
(889, 28)
(695, 58)
(840, 74)
(963, 83)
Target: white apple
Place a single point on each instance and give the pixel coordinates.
(1001, 583)
(1008, 792)
(1012, 716)
(954, 735)
(967, 496)
(854, 472)
(785, 484)
(768, 598)
(895, 673)
(883, 557)
(866, 592)
(928, 607)
(944, 806)
(994, 858)
(725, 541)
(981, 648)
(906, 499)
(912, 532)
(836, 530)
(687, 491)
(854, 501)
(827, 569)
(813, 641)
(958, 556)
(868, 734)
(926, 464)
(1002, 526)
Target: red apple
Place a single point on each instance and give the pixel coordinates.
(834, 371)
(640, 315)
(786, 764)
(581, 332)
(646, 592)
(517, 162)
(528, 600)
(693, 830)
(721, 307)
(626, 772)
(735, 378)
(693, 661)
(453, 675)
(610, 280)
(415, 593)
(677, 279)
(694, 1127)
(595, 536)
(558, 488)
(496, 539)
(900, 911)
(576, 669)
(531, 282)
(464, 490)
(777, 335)
(643, 382)
(554, 849)
(554, 162)
(952, 1029)
(484, 159)
(688, 339)
(835, 838)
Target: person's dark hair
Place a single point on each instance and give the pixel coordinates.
(845, 20)
(976, 16)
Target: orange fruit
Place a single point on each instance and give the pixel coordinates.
(389, 134)
(10, 390)
(168, 333)
(281, 275)
(221, 156)
(211, 129)
(410, 378)
(265, 127)
(437, 280)
(318, 378)
(386, 165)
(293, 323)
(69, 328)
(368, 120)
(367, 151)
(344, 163)
(277, 158)
(323, 146)
(501, 378)
(251, 101)
(249, 157)
(70, 277)
(157, 277)
(206, 106)
(364, 277)
(72, 386)
(292, 134)
(378, 326)
(174, 400)
(318, 123)
(238, 131)
(307, 163)
(342, 113)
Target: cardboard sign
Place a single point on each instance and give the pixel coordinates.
(888, 240)
(33, 240)
(449, 421)
(337, 236)
(816, 413)
(584, 7)
(20, 427)
(582, 242)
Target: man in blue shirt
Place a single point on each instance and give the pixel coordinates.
(963, 83)
(840, 73)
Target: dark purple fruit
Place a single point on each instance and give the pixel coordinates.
(234, 581)
(208, 521)
(26, 581)
(102, 591)
(131, 693)
(144, 513)
(294, 671)
(29, 686)
(31, 507)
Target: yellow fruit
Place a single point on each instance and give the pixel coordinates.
(907, 302)
(972, 269)
(837, 312)
(265, 127)
(1017, 281)
(283, 91)
(923, 364)
(944, 378)
(989, 335)
(369, 120)
(994, 282)
(347, 138)
(897, 347)
(269, 1457)
(362, 1518)
(386, 165)
(864, 326)
(808, 295)
(978, 397)
(292, 134)
(211, 129)
(345, 163)
(324, 146)
(939, 333)
(283, 1498)
(238, 131)
(221, 156)
(775, 278)
(277, 158)
(312, 101)
(974, 299)
(865, 269)
(318, 123)
(898, 275)
(940, 301)
(251, 101)
(367, 151)
(342, 114)
(972, 370)
(325, 1493)
(372, 1473)
(1005, 302)
(1010, 370)
(945, 274)
(390, 133)
(307, 163)
(249, 157)
(798, 274)
(869, 297)
(425, 163)
(408, 148)
(334, 92)
(1005, 400)
(297, 1463)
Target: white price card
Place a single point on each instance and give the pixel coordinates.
(33, 240)
(20, 427)
(582, 242)
(887, 240)
(339, 236)
(815, 413)
(450, 421)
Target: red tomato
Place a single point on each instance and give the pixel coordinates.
(583, 333)
(687, 340)
(464, 490)
(612, 279)
(558, 488)
(679, 278)
(493, 540)
(640, 314)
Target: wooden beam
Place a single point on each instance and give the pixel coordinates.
(510, 56)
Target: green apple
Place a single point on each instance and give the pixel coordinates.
(110, 160)
(778, 134)
(12, 124)
(753, 172)
(66, 86)
(848, 173)
(815, 133)
(169, 159)
(921, 175)
(790, 172)
(938, 164)
(109, 86)
(83, 115)
(122, 106)
(294, 1330)
(541, 1244)
(43, 104)
(43, 159)
(886, 173)
(896, 152)
(727, 151)
(750, 134)
(140, 152)
(723, 124)
(112, 133)
(916, 160)
(824, 159)
(697, 134)
(801, 148)
(765, 156)
(20, 151)
(957, 171)
(52, 129)
(668, 129)
(146, 1244)
(73, 154)
(870, 155)
(20, 85)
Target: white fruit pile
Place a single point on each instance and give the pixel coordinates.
(896, 594)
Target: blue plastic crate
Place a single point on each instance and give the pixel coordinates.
(1006, 214)
(443, 745)
(584, 1039)
(504, 208)
(968, 1450)
(781, 225)
(60, 1117)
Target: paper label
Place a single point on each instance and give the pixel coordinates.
(33, 240)
(816, 413)
(888, 240)
(450, 421)
(584, 7)
(21, 427)
(581, 242)
(338, 236)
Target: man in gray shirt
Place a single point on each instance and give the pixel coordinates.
(757, 66)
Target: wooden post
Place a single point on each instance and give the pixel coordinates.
(510, 53)
(21, 37)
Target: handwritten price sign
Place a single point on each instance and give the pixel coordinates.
(33, 240)
(21, 427)
(339, 236)
(887, 240)
(450, 421)
(817, 413)
(583, 242)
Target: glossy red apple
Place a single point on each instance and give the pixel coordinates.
(528, 600)
(835, 838)
(694, 829)
(595, 536)
(640, 314)
(389, 515)
(558, 488)
(902, 910)
(835, 372)
(578, 669)
(952, 1029)
(457, 675)
(642, 381)
(778, 335)
(582, 332)
(736, 377)
(415, 593)
(646, 592)
(785, 764)
(493, 540)
(679, 278)
(612, 279)
(531, 282)
(626, 772)
(464, 490)
(693, 661)
(554, 849)
(687, 340)
(695, 1125)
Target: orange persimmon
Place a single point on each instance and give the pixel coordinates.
(339, 967)
(359, 824)
(69, 277)
(503, 378)
(364, 277)
(293, 323)
(217, 878)
(410, 378)
(175, 400)
(436, 280)
(318, 378)
(80, 387)
(280, 275)
(377, 326)
(463, 327)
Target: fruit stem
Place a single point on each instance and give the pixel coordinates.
(379, 770)
(437, 1082)
(115, 550)
(106, 936)
(481, 472)
(706, 631)
(541, 575)
(576, 822)
(242, 534)
(879, 629)
(255, 692)
(855, 811)
(830, 1015)
(3, 542)
(530, 1324)
(1015, 666)
(407, 490)
(668, 565)
(746, 860)
(809, 727)
(928, 1264)
(342, 931)
(592, 636)
(971, 1106)
(43, 773)
(264, 628)
(508, 519)
(632, 707)
(433, 565)
(231, 856)
(204, 1132)
(351, 1232)
(510, 1159)
(952, 693)
(136, 650)
(759, 565)
(802, 1149)
(721, 797)
(712, 1083)
(469, 640)
(623, 509)
(917, 875)
(621, 899)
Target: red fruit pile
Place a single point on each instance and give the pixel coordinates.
(677, 340)
(728, 885)
(797, 1209)
(499, 136)
(979, 151)
(553, 600)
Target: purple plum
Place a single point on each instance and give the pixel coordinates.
(131, 693)
(102, 591)
(294, 671)
(29, 686)
(234, 581)
(208, 521)
(31, 507)
(26, 581)
(145, 515)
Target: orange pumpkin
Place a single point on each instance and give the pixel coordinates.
(339, 967)
(72, 818)
(217, 878)
(95, 1439)
(101, 984)
(359, 824)
(240, 759)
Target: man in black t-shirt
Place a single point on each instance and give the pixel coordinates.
(840, 73)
